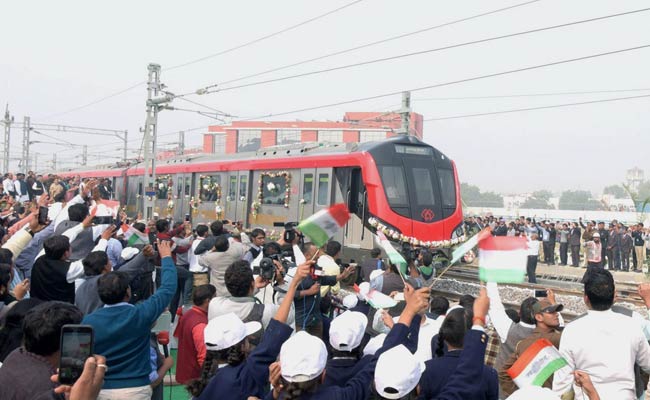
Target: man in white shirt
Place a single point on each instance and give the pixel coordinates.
(8, 184)
(199, 272)
(255, 247)
(328, 262)
(603, 344)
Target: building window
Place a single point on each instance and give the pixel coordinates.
(219, 143)
(371, 136)
(330, 136)
(249, 140)
(288, 136)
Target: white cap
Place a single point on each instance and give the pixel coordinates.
(534, 392)
(364, 289)
(596, 235)
(346, 330)
(397, 373)
(350, 301)
(302, 357)
(374, 274)
(374, 344)
(227, 330)
(128, 253)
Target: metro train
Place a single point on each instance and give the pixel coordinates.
(402, 186)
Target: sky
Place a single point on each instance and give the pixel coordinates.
(58, 56)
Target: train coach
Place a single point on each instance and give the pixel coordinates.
(401, 186)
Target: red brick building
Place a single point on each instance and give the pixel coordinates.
(361, 127)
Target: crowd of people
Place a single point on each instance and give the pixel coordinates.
(256, 318)
(614, 246)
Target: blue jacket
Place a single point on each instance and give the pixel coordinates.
(438, 370)
(122, 333)
(250, 378)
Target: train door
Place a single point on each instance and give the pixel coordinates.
(323, 195)
(307, 190)
(182, 195)
(243, 194)
(211, 197)
(231, 196)
(355, 235)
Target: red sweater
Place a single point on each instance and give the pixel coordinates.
(191, 347)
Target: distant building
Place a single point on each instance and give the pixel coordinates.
(634, 178)
(356, 127)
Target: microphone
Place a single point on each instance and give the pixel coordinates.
(163, 339)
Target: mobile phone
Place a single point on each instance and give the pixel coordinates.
(76, 347)
(42, 215)
(187, 217)
(540, 293)
(103, 220)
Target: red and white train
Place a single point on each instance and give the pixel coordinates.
(402, 186)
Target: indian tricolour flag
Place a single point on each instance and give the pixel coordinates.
(133, 236)
(461, 250)
(321, 226)
(393, 255)
(535, 365)
(502, 259)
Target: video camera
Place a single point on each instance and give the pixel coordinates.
(290, 232)
(409, 252)
(266, 269)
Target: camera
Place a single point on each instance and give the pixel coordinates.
(266, 269)
(409, 252)
(290, 232)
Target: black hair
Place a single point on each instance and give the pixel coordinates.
(5, 276)
(271, 248)
(6, 256)
(239, 277)
(526, 313)
(139, 226)
(94, 263)
(202, 230)
(77, 212)
(466, 301)
(513, 315)
(332, 248)
(221, 244)
(162, 225)
(11, 334)
(427, 258)
(453, 329)
(43, 323)
(112, 287)
(257, 232)
(296, 390)
(600, 289)
(202, 293)
(233, 356)
(217, 228)
(438, 305)
(56, 246)
(376, 252)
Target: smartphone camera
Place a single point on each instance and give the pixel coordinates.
(540, 293)
(42, 215)
(187, 217)
(76, 347)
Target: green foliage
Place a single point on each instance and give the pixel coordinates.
(473, 197)
(578, 200)
(539, 199)
(617, 191)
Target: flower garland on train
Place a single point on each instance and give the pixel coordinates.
(397, 236)
(206, 185)
(272, 188)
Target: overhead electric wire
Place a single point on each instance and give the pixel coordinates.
(104, 98)
(537, 108)
(450, 83)
(389, 39)
(210, 88)
(264, 37)
(550, 94)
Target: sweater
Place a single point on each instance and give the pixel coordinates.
(50, 282)
(122, 333)
(187, 365)
(25, 375)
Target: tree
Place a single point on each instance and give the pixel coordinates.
(472, 197)
(617, 191)
(578, 200)
(539, 199)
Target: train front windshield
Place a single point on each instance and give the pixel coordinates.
(418, 181)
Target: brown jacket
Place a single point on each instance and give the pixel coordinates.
(505, 382)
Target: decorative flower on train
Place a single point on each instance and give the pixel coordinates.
(170, 205)
(242, 198)
(373, 222)
(302, 201)
(271, 187)
(218, 210)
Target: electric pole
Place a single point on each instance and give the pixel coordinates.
(36, 163)
(25, 157)
(8, 120)
(405, 113)
(181, 143)
(154, 104)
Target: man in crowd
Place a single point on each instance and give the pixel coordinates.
(122, 330)
(564, 244)
(574, 242)
(217, 261)
(604, 240)
(330, 267)
(627, 245)
(257, 241)
(21, 188)
(593, 253)
(614, 247)
(547, 321)
(191, 345)
(8, 185)
(604, 344)
(639, 247)
(374, 262)
(199, 273)
(27, 371)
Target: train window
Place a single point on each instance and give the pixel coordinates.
(448, 187)
(162, 187)
(423, 187)
(307, 187)
(232, 188)
(243, 185)
(394, 185)
(210, 187)
(273, 189)
(179, 188)
(323, 188)
(188, 185)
